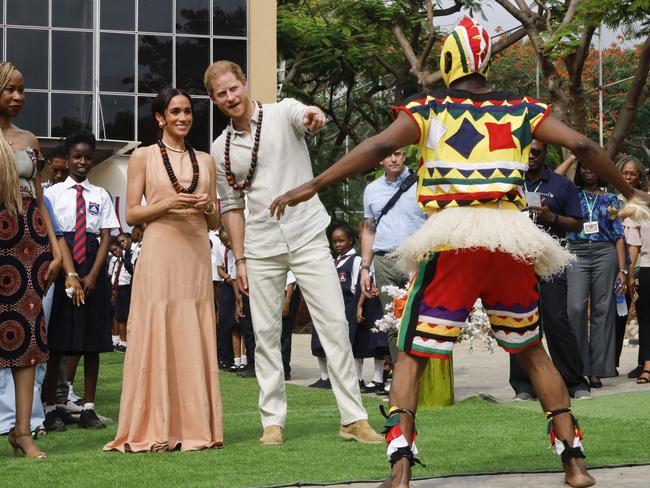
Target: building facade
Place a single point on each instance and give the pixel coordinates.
(98, 64)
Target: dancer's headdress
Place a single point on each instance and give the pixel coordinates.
(470, 48)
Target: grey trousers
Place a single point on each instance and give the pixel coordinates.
(592, 306)
(388, 273)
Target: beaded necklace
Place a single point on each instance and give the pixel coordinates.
(230, 177)
(170, 172)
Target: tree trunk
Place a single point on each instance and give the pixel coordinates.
(632, 101)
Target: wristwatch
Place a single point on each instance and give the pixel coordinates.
(366, 267)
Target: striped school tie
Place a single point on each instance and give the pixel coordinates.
(79, 248)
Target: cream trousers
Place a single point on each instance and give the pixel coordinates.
(313, 266)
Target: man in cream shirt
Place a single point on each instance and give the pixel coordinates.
(260, 155)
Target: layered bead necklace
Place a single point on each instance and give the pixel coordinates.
(170, 172)
(230, 177)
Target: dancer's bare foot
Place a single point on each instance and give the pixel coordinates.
(400, 475)
(576, 475)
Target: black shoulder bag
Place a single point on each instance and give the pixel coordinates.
(405, 185)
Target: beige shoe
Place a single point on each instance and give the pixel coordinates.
(361, 431)
(273, 434)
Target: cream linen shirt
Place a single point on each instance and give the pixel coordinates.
(283, 163)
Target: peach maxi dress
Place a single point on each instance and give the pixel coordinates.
(170, 392)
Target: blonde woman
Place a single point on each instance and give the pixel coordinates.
(27, 245)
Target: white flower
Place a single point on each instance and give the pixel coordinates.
(476, 328)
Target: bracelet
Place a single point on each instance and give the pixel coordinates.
(76, 275)
(624, 271)
(240, 260)
(212, 207)
(366, 267)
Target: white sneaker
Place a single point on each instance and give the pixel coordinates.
(72, 407)
(72, 397)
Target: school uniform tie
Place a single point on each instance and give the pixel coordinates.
(116, 280)
(79, 247)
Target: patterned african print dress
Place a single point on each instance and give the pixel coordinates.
(24, 259)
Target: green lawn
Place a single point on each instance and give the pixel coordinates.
(472, 436)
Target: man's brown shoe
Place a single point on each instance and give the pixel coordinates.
(273, 434)
(360, 431)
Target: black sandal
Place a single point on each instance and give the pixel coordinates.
(643, 381)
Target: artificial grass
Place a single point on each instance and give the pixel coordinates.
(473, 436)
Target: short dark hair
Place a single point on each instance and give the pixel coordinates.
(347, 230)
(643, 175)
(579, 182)
(124, 234)
(80, 137)
(161, 102)
(58, 152)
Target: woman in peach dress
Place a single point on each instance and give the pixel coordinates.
(170, 392)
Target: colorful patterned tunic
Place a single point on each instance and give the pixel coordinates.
(473, 151)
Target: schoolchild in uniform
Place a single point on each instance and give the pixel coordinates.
(369, 310)
(348, 264)
(87, 217)
(124, 278)
(114, 256)
(227, 306)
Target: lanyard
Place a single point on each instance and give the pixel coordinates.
(591, 204)
(536, 188)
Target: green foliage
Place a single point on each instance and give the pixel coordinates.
(342, 56)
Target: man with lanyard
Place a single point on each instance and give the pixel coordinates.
(391, 215)
(476, 242)
(272, 136)
(553, 203)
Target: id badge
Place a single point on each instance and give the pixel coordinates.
(534, 199)
(591, 227)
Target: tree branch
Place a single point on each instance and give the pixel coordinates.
(635, 94)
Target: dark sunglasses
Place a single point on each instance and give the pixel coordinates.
(536, 152)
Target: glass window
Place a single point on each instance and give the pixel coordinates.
(155, 15)
(117, 62)
(229, 18)
(147, 127)
(118, 14)
(193, 16)
(199, 136)
(219, 122)
(27, 50)
(117, 114)
(28, 12)
(71, 113)
(33, 116)
(72, 13)
(72, 60)
(230, 50)
(192, 57)
(154, 63)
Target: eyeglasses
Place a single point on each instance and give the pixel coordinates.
(536, 152)
(630, 173)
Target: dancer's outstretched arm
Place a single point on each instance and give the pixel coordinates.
(402, 132)
(594, 157)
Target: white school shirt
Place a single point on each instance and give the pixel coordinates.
(112, 263)
(124, 278)
(100, 213)
(231, 269)
(135, 252)
(283, 164)
(216, 251)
